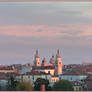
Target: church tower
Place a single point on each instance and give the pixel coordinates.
(58, 64)
(44, 62)
(37, 59)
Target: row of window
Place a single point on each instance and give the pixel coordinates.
(54, 80)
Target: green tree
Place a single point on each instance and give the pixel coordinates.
(11, 85)
(63, 85)
(39, 82)
(24, 86)
(0, 88)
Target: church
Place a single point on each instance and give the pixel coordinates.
(54, 67)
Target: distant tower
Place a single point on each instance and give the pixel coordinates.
(37, 60)
(58, 64)
(44, 62)
(52, 60)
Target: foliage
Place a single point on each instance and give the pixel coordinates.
(63, 85)
(24, 86)
(11, 85)
(39, 82)
(0, 87)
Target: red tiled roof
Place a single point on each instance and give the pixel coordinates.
(74, 73)
(36, 73)
(6, 68)
(44, 67)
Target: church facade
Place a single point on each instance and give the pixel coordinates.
(54, 67)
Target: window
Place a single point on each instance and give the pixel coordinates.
(80, 89)
(48, 71)
(22, 77)
(28, 76)
(33, 77)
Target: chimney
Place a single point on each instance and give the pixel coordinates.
(43, 87)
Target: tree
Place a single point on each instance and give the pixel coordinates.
(11, 85)
(0, 88)
(63, 85)
(24, 86)
(39, 82)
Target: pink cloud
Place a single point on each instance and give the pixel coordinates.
(34, 31)
(48, 32)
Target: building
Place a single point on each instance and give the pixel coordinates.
(42, 69)
(46, 69)
(32, 76)
(54, 79)
(72, 77)
(89, 82)
(54, 67)
(4, 78)
(58, 64)
(77, 86)
(37, 62)
(25, 69)
(7, 69)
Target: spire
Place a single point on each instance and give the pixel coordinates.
(58, 51)
(37, 52)
(37, 55)
(53, 59)
(58, 54)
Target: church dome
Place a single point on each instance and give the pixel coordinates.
(52, 60)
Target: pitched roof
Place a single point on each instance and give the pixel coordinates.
(6, 68)
(74, 73)
(36, 73)
(43, 67)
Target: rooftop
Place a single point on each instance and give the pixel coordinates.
(36, 73)
(43, 67)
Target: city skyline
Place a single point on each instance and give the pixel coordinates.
(46, 26)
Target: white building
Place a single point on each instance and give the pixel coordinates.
(72, 77)
(32, 76)
(54, 79)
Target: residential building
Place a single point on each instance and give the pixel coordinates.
(33, 75)
(72, 77)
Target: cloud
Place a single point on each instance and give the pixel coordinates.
(48, 32)
(45, 13)
(29, 31)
